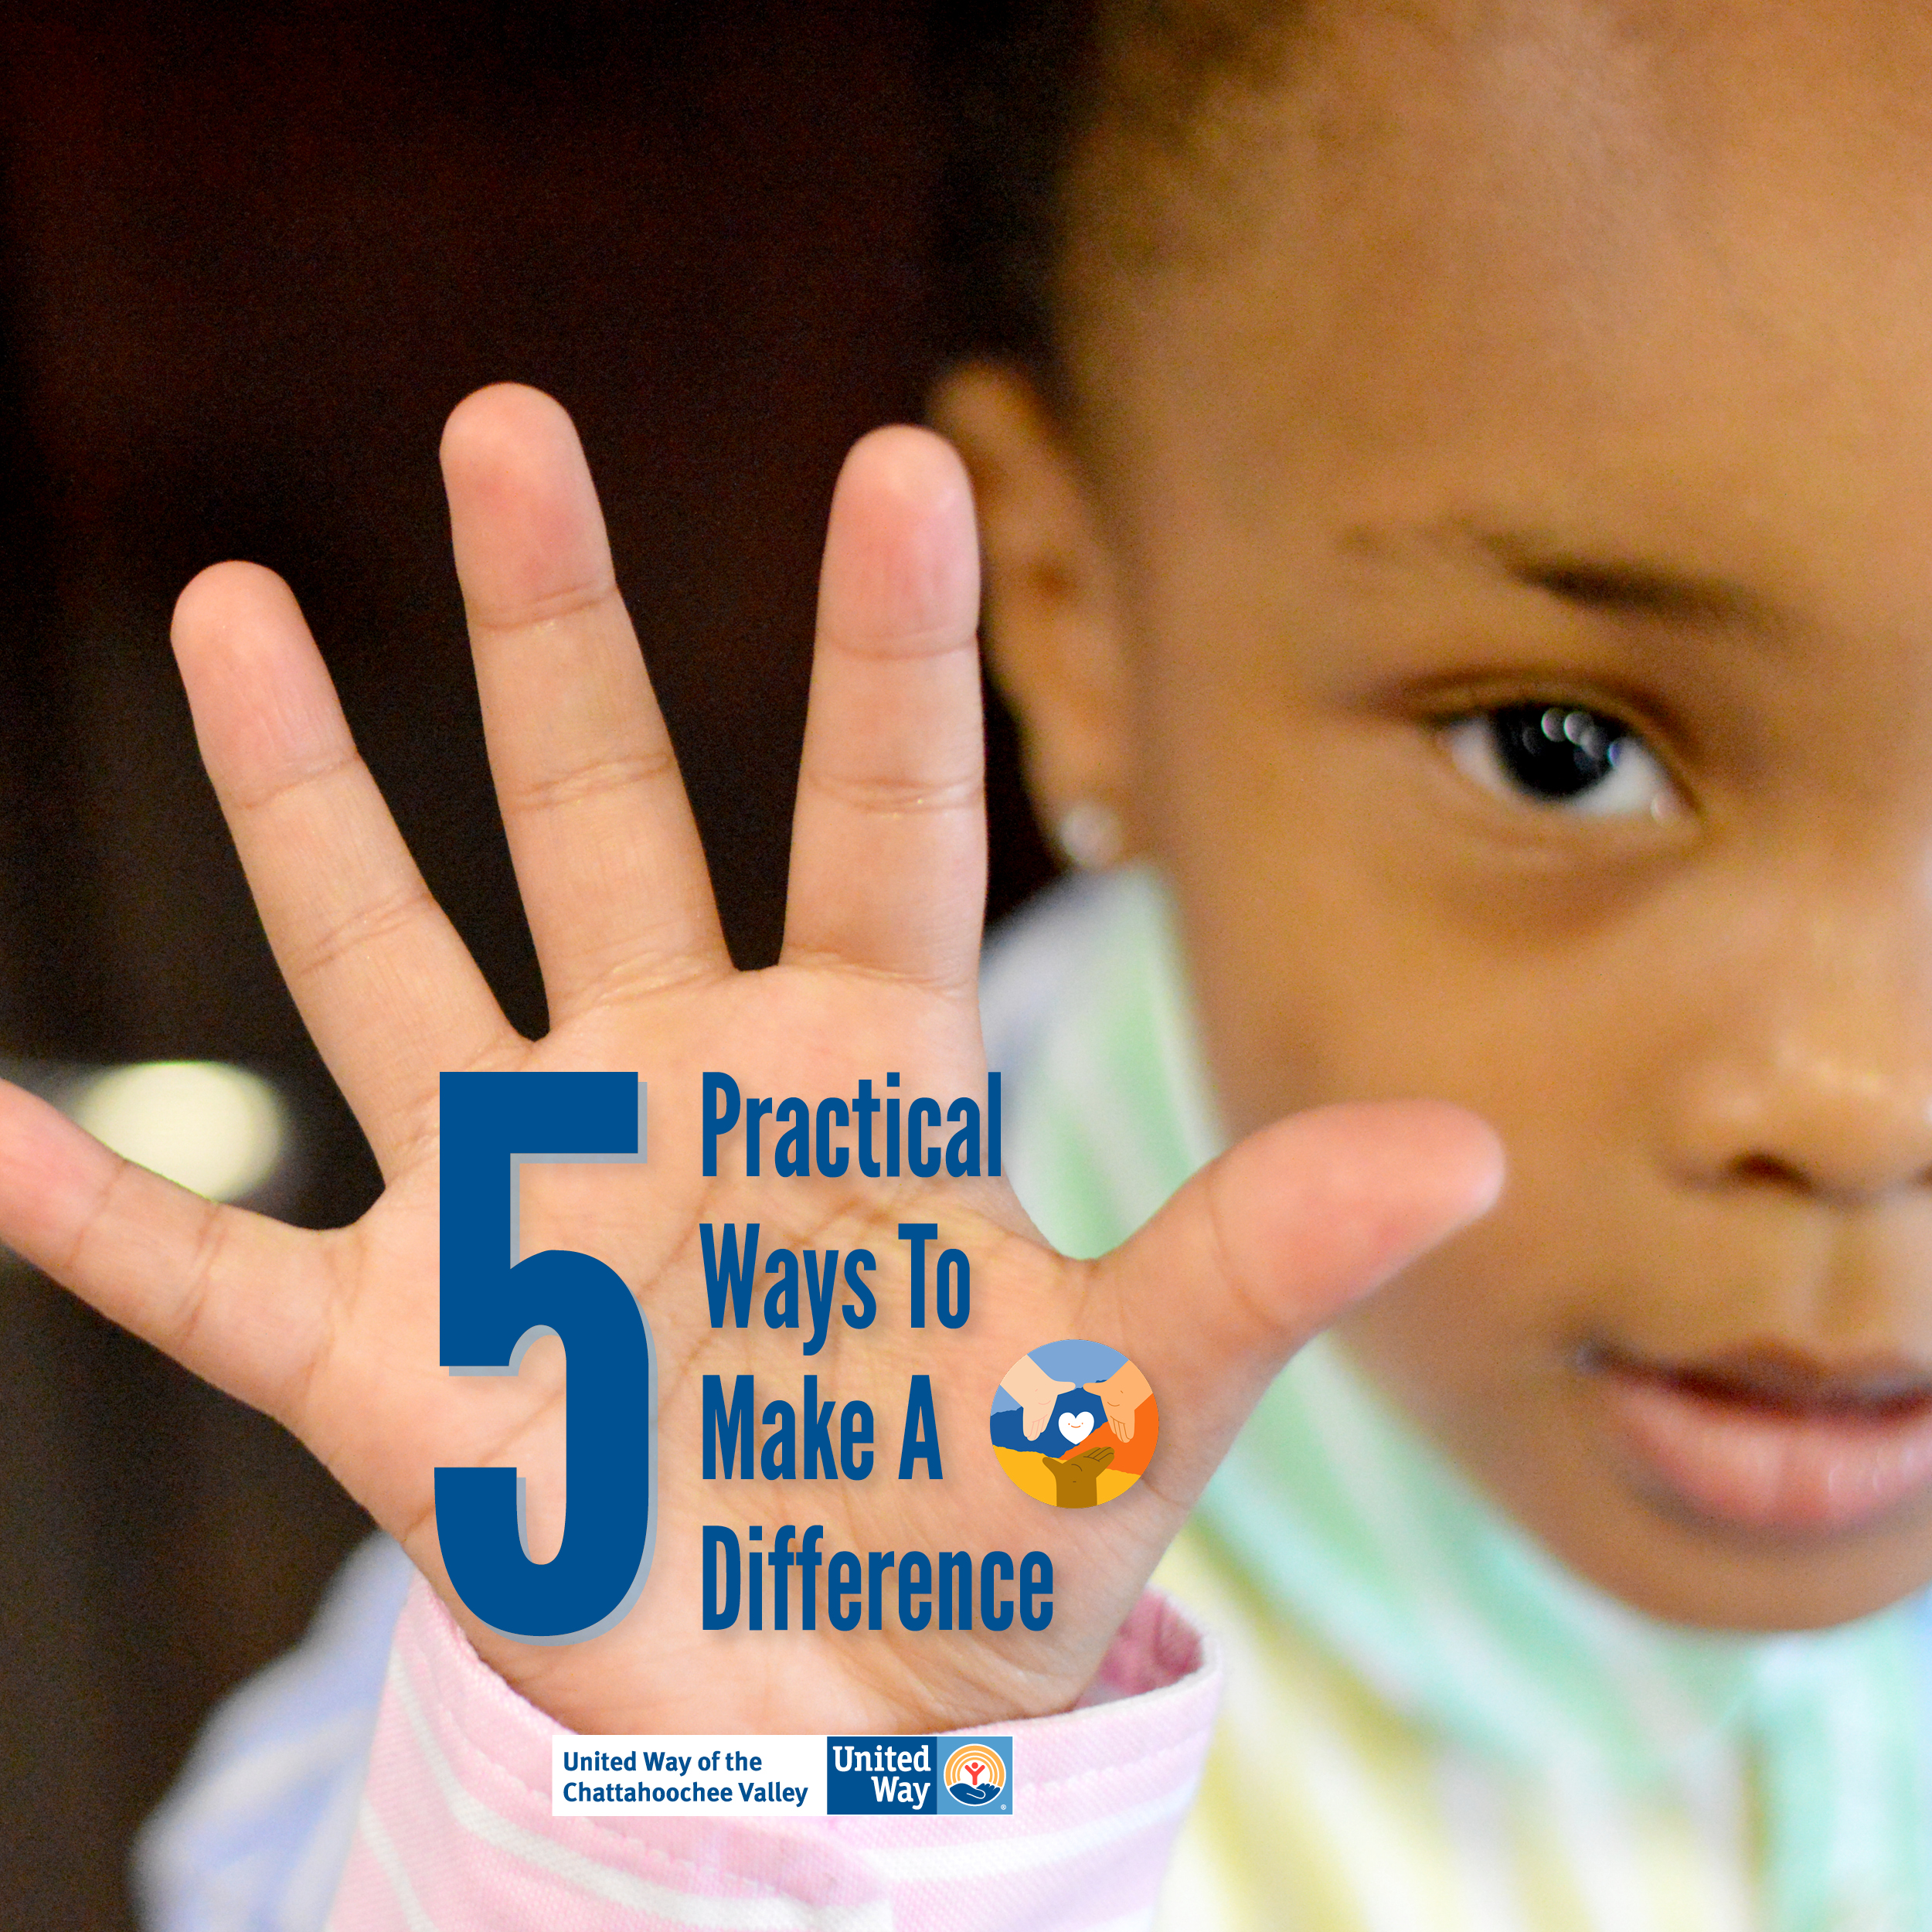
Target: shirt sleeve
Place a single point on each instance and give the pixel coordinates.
(252, 1836)
(455, 1828)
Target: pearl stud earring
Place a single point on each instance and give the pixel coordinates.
(1089, 833)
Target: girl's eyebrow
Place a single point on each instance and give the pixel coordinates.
(1628, 588)
(1613, 586)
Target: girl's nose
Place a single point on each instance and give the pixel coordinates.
(1816, 1069)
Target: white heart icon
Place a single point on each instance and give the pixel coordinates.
(1077, 1428)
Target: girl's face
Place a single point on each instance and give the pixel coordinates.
(1504, 609)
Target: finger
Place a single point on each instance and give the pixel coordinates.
(608, 858)
(388, 990)
(237, 1298)
(1123, 1423)
(1036, 1415)
(889, 840)
(1274, 1239)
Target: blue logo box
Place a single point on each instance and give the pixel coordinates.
(919, 1777)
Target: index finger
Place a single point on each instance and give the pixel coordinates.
(888, 838)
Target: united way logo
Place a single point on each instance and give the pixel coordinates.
(1074, 1424)
(977, 1774)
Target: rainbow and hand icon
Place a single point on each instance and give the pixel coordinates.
(1074, 1424)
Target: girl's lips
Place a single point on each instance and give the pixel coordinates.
(1769, 1439)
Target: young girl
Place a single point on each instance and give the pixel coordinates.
(1456, 483)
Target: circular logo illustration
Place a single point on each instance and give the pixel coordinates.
(1074, 1424)
(975, 1775)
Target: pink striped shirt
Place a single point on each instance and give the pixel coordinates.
(456, 1831)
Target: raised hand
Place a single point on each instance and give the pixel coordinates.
(1077, 1478)
(1035, 1391)
(1120, 1395)
(335, 1333)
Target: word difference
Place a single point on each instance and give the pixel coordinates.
(923, 1596)
(766, 1777)
(869, 1129)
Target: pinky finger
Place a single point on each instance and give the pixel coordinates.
(241, 1299)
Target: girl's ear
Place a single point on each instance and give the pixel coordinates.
(1053, 614)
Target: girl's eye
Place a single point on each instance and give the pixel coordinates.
(1561, 756)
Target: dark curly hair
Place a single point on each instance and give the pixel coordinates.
(1023, 85)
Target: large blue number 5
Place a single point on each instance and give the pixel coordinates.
(493, 1306)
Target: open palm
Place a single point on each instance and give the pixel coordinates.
(336, 1333)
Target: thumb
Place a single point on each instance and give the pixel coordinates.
(1270, 1243)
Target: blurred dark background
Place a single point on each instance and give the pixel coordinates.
(249, 259)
